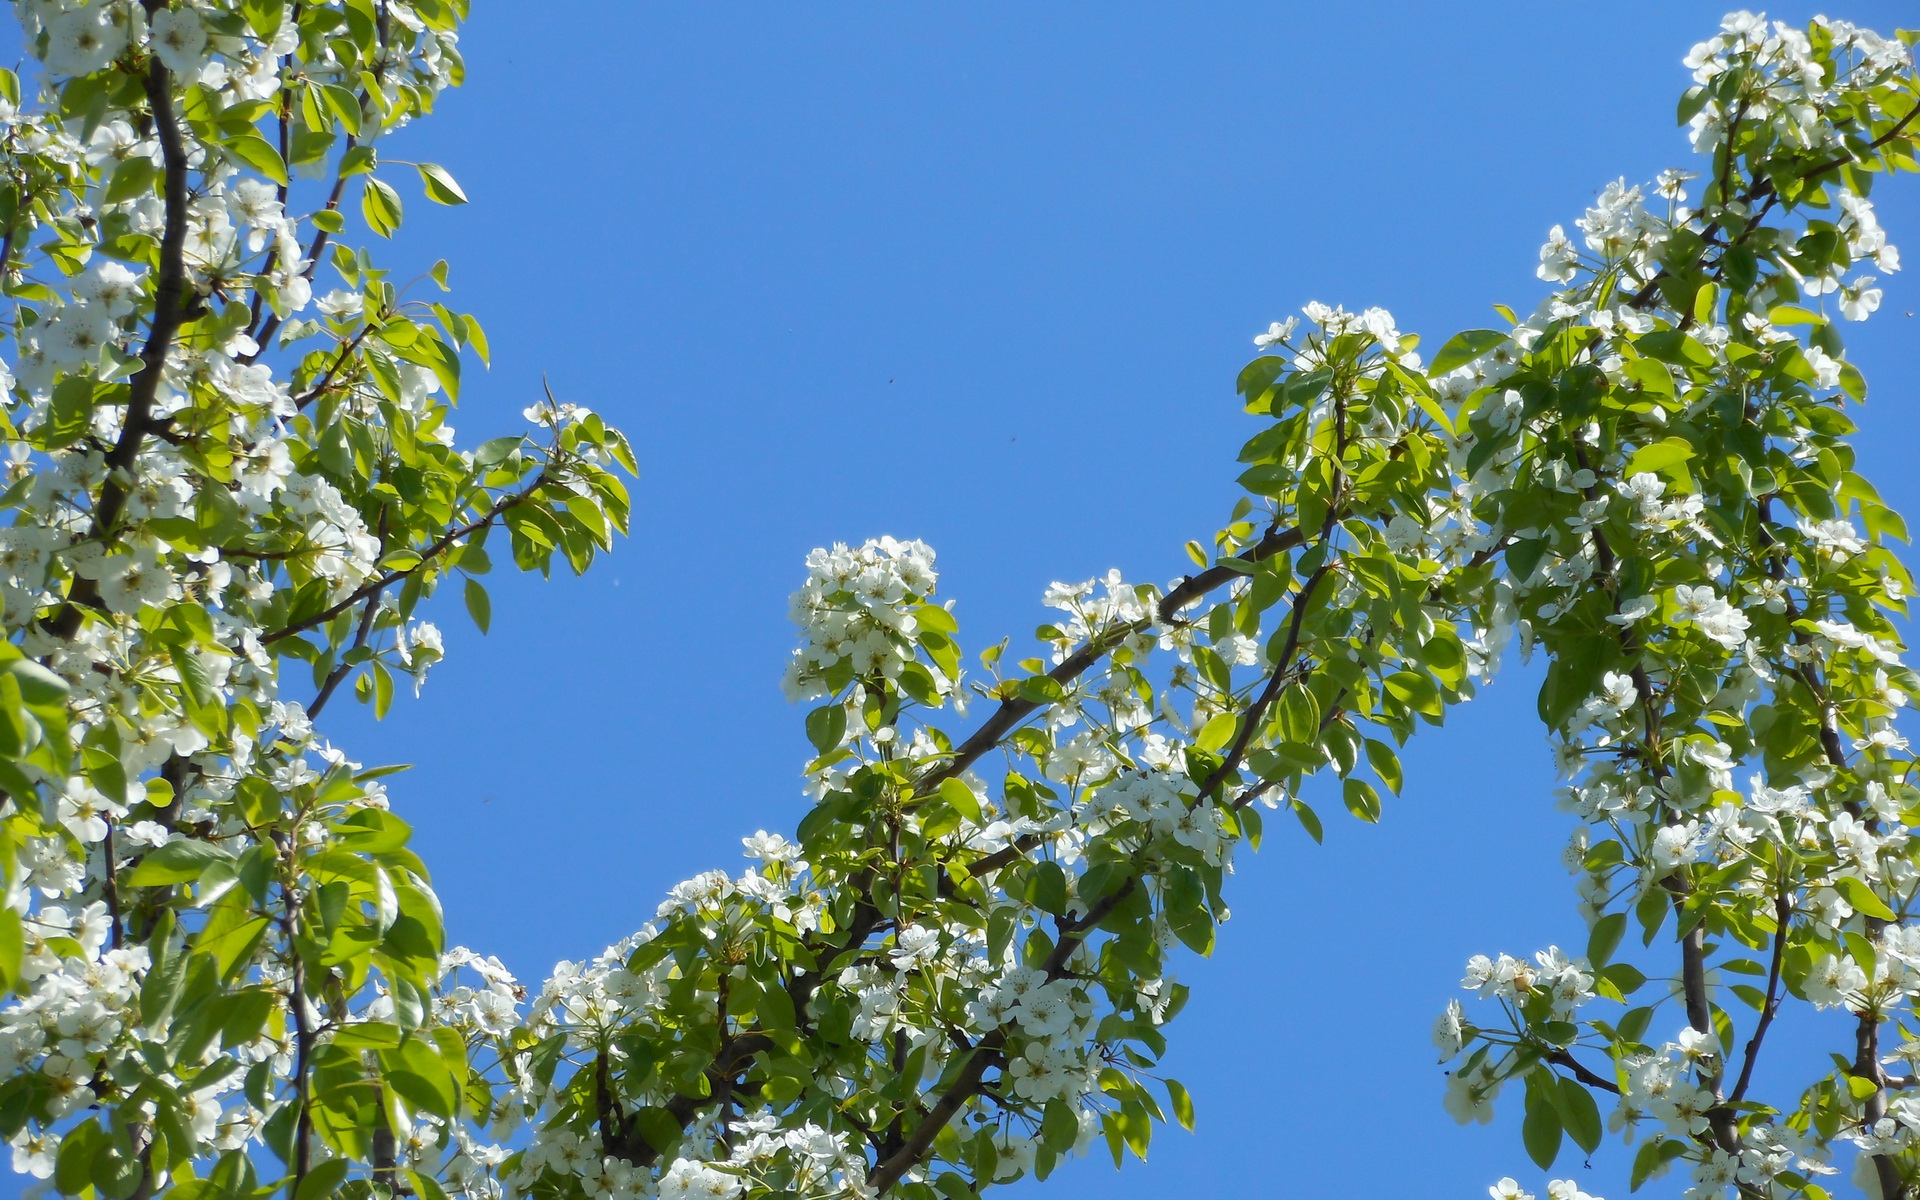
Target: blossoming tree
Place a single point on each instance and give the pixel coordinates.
(230, 500)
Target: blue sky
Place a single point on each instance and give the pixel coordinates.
(984, 275)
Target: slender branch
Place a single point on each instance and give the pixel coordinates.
(1782, 917)
(1074, 933)
(1016, 709)
(1693, 951)
(1866, 1061)
(1765, 191)
(326, 377)
(498, 509)
(342, 670)
(321, 237)
(169, 311)
(303, 1046)
(1580, 1071)
(110, 886)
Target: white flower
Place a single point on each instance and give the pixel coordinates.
(1618, 691)
(1507, 1189)
(1634, 610)
(1558, 258)
(1858, 301)
(1470, 1096)
(339, 304)
(1826, 368)
(128, 581)
(83, 41)
(108, 287)
(178, 38)
(148, 833)
(1834, 982)
(1705, 609)
(1276, 333)
(1450, 1030)
(687, 1180)
(916, 947)
(1045, 1011)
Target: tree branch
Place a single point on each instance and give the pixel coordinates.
(1782, 917)
(1579, 1070)
(169, 311)
(1016, 709)
(499, 508)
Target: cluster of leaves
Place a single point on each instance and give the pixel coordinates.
(225, 954)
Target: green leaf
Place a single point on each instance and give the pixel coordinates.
(1309, 820)
(1705, 302)
(1580, 1115)
(1463, 348)
(1181, 1102)
(1540, 1130)
(258, 153)
(344, 105)
(233, 947)
(1625, 977)
(478, 606)
(1674, 346)
(1217, 732)
(265, 17)
(380, 205)
(826, 725)
(133, 177)
(417, 1072)
(1652, 1156)
(1194, 928)
(1361, 800)
(961, 799)
(358, 161)
(73, 1166)
(1047, 887)
(1385, 764)
(1605, 938)
(425, 1186)
(1658, 457)
(441, 188)
(1862, 898)
(658, 1127)
(12, 948)
(182, 860)
(325, 1178)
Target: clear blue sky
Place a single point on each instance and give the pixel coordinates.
(983, 274)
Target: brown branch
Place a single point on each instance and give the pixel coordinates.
(169, 311)
(1763, 191)
(319, 243)
(1782, 916)
(1016, 709)
(985, 1055)
(341, 671)
(326, 378)
(303, 1047)
(110, 886)
(1580, 1071)
(1074, 933)
(499, 508)
(1866, 1062)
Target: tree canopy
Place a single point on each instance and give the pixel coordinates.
(231, 500)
